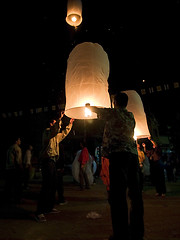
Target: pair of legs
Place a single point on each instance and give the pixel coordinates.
(13, 185)
(60, 186)
(48, 190)
(124, 175)
(83, 178)
(159, 178)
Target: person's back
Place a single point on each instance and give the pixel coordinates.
(124, 173)
(121, 150)
(119, 131)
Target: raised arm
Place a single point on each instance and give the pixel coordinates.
(55, 129)
(66, 131)
(102, 113)
(153, 142)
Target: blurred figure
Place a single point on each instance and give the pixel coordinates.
(171, 166)
(83, 160)
(141, 157)
(104, 174)
(97, 154)
(14, 173)
(27, 165)
(157, 168)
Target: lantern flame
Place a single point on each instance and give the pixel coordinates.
(88, 112)
(74, 19)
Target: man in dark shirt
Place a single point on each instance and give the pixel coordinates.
(121, 150)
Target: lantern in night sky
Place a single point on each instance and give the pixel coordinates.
(135, 106)
(74, 12)
(86, 80)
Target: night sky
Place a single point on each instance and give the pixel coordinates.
(141, 39)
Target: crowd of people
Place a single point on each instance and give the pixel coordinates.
(125, 162)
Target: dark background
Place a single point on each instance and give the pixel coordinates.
(141, 39)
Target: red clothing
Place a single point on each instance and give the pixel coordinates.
(104, 174)
(84, 156)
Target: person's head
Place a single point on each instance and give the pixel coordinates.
(82, 144)
(18, 141)
(120, 100)
(30, 147)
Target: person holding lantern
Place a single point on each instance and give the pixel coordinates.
(121, 150)
(49, 155)
(157, 167)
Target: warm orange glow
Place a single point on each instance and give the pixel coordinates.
(86, 80)
(88, 112)
(74, 13)
(135, 106)
(74, 19)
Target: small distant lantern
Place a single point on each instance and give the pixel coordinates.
(135, 106)
(74, 12)
(86, 80)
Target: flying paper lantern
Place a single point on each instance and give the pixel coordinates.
(86, 80)
(74, 12)
(135, 106)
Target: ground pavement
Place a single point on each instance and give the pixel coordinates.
(161, 217)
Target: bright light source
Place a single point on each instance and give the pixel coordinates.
(88, 112)
(135, 105)
(86, 80)
(74, 19)
(74, 12)
(135, 134)
(135, 137)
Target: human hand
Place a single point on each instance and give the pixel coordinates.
(71, 121)
(62, 114)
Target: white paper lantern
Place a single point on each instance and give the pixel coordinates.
(135, 106)
(74, 12)
(86, 80)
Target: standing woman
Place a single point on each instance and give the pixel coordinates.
(83, 160)
(27, 165)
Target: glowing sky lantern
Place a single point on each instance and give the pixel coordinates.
(135, 106)
(74, 12)
(86, 80)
